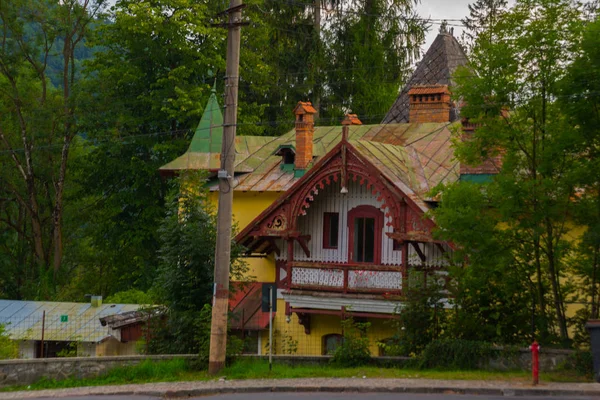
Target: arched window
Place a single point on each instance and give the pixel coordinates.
(365, 224)
(331, 342)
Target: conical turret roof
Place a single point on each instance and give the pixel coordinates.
(204, 151)
(436, 68)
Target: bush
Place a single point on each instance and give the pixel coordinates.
(235, 345)
(421, 318)
(581, 362)
(8, 347)
(354, 349)
(455, 354)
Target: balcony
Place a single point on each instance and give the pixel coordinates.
(345, 278)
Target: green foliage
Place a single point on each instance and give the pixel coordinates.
(39, 137)
(185, 277)
(289, 345)
(580, 103)
(516, 234)
(492, 292)
(354, 349)
(581, 362)
(69, 351)
(235, 345)
(455, 354)
(367, 55)
(131, 296)
(420, 319)
(8, 347)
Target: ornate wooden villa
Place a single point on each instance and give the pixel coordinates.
(336, 216)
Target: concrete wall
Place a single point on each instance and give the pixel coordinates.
(24, 372)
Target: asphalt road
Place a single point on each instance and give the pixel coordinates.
(328, 396)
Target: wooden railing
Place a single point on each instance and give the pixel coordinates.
(345, 278)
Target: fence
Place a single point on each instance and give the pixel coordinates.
(68, 334)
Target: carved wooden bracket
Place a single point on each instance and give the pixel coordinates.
(303, 242)
(419, 251)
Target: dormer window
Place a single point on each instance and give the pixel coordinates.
(288, 157)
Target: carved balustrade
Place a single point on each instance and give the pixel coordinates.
(345, 278)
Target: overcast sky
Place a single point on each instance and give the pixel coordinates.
(444, 9)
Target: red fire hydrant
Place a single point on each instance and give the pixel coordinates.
(535, 362)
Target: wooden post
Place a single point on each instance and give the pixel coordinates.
(218, 329)
(270, 328)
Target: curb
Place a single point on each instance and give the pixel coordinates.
(505, 392)
(174, 391)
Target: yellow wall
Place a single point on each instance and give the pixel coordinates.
(113, 347)
(246, 207)
(320, 325)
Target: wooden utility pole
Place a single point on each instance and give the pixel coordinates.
(218, 328)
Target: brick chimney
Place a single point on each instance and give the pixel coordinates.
(305, 129)
(429, 103)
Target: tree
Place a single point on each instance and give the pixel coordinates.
(370, 46)
(580, 101)
(40, 125)
(187, 256)
(483, 15)
(151, 76)
(491, 288)
(509, 90)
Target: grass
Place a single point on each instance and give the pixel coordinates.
(181, 370)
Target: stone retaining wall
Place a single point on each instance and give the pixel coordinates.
(24, 372)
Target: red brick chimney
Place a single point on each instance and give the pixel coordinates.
(429, 103)
(305, 129)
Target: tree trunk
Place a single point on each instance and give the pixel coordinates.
(317, 59)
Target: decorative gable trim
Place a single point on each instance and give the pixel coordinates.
(341, 163)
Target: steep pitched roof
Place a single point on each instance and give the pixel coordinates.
(436, 68)
(204, 152)
(418, 156)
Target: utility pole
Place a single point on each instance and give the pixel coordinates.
(218, 328)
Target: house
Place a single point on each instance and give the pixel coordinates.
(337, 215)
(69, 329)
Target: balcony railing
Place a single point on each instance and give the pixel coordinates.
(345, 278)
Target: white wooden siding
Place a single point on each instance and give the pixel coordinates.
(331, 200)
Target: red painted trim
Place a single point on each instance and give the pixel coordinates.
(348, 313)
(366, 212)
(327, 229)
(404, 264)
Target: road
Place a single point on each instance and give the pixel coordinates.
(328, 396)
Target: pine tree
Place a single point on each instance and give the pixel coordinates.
(483, 14)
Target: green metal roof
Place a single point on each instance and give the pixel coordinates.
(208, 136)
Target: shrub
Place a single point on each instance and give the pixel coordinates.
(455, 354)
(354, 349)
(581, 362)
(420, 319)
(8, 347)
(235, 345)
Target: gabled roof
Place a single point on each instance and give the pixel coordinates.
(418, 155)
(436, 68)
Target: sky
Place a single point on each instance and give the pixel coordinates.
(444, 9)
